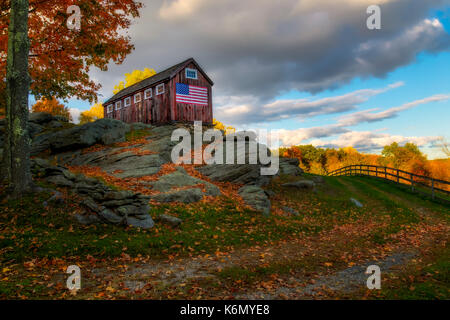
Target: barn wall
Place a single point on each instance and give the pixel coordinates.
(190, 112)
(161, 105)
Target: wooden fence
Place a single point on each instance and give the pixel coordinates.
(422, 184)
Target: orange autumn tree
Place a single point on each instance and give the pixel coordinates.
(60, 58)
(53, 107)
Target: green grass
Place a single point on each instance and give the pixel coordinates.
(136, 134)
(429, 282)
(28, 230)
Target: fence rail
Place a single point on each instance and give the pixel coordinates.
(438, 188)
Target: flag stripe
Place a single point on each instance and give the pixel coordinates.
(191, 94)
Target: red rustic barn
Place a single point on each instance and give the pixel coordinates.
(180, 93)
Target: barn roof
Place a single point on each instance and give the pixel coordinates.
(169, 73)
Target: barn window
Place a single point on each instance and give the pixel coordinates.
(148, 93)
(109, 108)
(127, 102)
(160, 89)
(137, 97)
(118, 105)
(191, 74)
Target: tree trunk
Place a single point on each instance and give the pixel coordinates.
(17, 141)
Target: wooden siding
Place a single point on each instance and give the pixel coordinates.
(191, 112)
(163, 108)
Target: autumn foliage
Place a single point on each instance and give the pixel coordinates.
(94, 113)
(408, 158)
(61, 58)
(220, 126)
(53, 107)
(134, 77)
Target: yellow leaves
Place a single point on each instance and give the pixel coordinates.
(220, 126)
(133, 77)
(328, 264)
(5, 270)
(110, 289)
(94, 113)
(119, 87)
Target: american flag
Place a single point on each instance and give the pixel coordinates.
(192, 94)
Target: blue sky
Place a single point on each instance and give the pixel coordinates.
(324, 57)
(423, 78)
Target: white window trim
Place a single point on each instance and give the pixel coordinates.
(109, 108)
(118, 103)
(137, 95)
(163, 89)
(146, 96)
(128, 99)
(193, 70)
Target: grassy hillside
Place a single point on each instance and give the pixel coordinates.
(223, 249)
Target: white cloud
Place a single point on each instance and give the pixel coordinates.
(75, 113)
(363, 140)
(247, 110)
(370, 116)
(370, 141)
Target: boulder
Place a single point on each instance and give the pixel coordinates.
(290, 211)
(118, 195)
(243, 169)
(290, 166)
(170, 220)
(184, 196)
(92, 205)
(103, 131)
(110, 217)
(40, 118)
(110, 206)
(301, 184)
(132, 210)
(146, 223)
(255, 197)
(60, 181)
(121, 165)
(41, 142)
(34, 129)
(181, 178)
(356, 203)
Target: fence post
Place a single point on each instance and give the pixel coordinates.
(376, 171)
(412, 182)
(398, 176)
(432, 189)
(385, 173)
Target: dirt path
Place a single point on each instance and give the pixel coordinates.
(294, 269)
